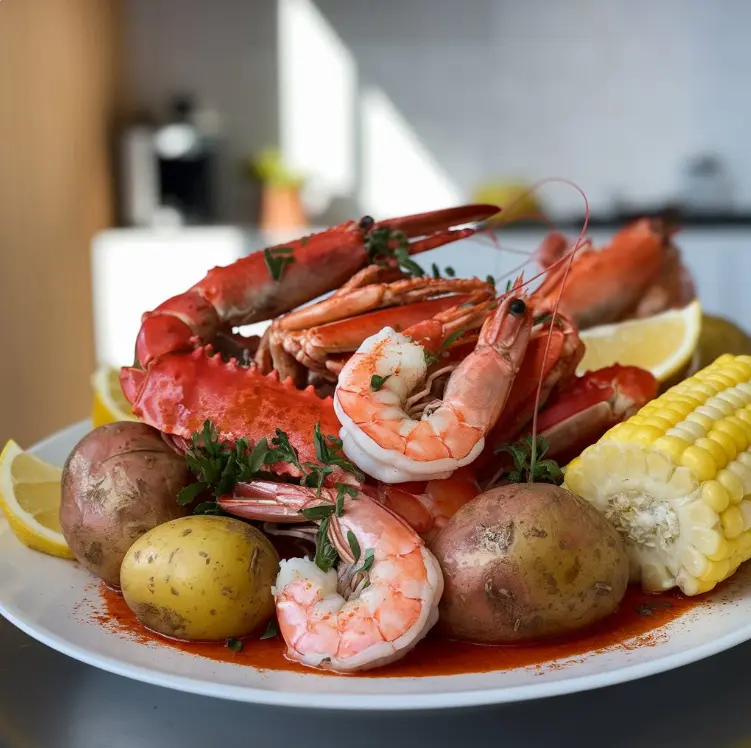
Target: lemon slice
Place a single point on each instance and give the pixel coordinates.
(30, 499)
(109, 403)
(662, 344)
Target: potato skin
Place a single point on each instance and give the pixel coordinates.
(118, 482)
(528, 561)
(201, 578)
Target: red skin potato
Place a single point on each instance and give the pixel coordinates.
(525, 562)
(120, 481)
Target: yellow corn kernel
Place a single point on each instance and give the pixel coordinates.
(695, 562)
(745, 509)
(732, 522)
(721, 380)
(672, 446)
(693, 586)
(717, 452)
(637, 420)
(731, 396)
(743, 474)
(727, 444)
(744, 426)
(682, 406)
(621, 432)
(714, 495)
(657, 421)
(716, 571)
(659, 467)
(689, 430)
(698, 514)
(732, 484)
(724, 550)
(710, 411)
(737, 434)
(704, 421)
(646, 435)
(699, 461)
(720, 404)
(741, 370)
(710, 542)
(744, 543)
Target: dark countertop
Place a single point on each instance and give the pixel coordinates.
(48, 700)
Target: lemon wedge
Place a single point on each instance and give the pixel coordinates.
(30, 498)
(109, 403)
(662, 344)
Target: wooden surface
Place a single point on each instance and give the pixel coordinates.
(58, 76)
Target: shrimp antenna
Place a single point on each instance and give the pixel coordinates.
(570, 257)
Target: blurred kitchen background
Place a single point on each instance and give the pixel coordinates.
(144, 141)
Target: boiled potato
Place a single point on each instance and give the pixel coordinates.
(528, 561)
(201, 578)
(120, 481)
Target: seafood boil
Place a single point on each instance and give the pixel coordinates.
(405, 454)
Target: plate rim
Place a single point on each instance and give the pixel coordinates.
(444, 699)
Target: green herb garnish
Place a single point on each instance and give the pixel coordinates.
(326, 554)
(368, 562)
(377, 381)
(491, 280)
(430, 358)
(276, 259)
(342, 490)
(315, 513)
(380, 252)
(453, 337)
(272, 630)
(219, 466)
(529, 467)
(449, 271)
(354, 546)
(329, 455)
(235, 645)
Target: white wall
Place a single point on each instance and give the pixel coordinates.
(224, 53)
(612, 95)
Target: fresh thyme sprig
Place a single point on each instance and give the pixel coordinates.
(448, 270)
(380, 252)
(328, 451)
(529, 467)
(219, 466)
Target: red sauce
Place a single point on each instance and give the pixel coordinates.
(633, 625)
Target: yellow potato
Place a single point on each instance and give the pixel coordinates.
(201, 578)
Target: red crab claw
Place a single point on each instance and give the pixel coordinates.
(275, 280)
(581, 412)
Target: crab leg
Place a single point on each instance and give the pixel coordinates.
(275, 280)
(340, 323)
(580, 413)
(609, 284)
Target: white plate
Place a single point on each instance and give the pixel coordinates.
(44, 597)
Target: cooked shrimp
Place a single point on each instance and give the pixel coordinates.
(428, 506)
(370, 400)
(351, 619)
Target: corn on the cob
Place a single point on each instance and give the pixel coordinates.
(675, 479)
